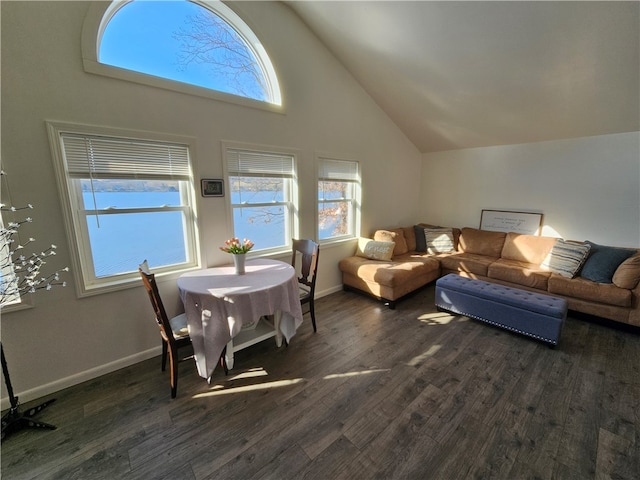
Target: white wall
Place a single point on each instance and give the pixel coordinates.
(587, 188)
(63, 340)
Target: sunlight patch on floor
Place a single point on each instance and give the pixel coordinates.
(353, 374)
(437, 318)
(423, 356)
(251, 373)
(217, 390)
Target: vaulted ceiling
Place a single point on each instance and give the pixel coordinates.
(457, 75)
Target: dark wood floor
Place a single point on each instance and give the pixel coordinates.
(375, 393)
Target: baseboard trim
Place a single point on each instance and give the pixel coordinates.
(328, 291)
(78, 378)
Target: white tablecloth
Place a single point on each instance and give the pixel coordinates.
(218, 302)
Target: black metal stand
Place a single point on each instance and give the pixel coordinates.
(15, 420)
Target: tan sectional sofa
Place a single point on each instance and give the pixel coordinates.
(511, 259)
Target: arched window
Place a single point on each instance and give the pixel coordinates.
(202, 44)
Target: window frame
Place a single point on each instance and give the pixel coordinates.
(76, 218)
(291, 227)
(99, 15)
(355, 202)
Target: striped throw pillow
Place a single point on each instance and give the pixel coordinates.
(439, 240)
(566, 257)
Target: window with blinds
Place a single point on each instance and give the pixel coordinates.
(104, 157)
(338, 198)
(127, 199)
(262, 197)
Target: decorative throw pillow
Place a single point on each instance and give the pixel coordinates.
(421, 241)
(439, 240)
(384, 236)
(375, 250)
(603, 262)
(396, 236)
(566, 257)
(628, 273)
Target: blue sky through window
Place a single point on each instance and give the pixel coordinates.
(142, 36)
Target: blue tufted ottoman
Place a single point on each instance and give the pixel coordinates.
(533, 314)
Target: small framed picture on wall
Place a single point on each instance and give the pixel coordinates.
(212, 187)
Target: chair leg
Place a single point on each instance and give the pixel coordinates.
(164, 355)
(223, 361)
(312, 311)
(174, 374)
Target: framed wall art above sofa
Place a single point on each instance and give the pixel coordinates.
(508, 221)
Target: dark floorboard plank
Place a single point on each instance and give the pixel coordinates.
(259, 461)
(407, 431)
(579, 440)
(456, 456)
(383, 405)
(329, 463)
(615, 457)
(501, 445)
(285, 465)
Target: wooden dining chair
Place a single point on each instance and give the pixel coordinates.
(174, 331)
(309, 252)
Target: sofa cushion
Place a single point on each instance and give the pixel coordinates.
(395, 235)
(374, 250)
(520, 273)
(566, 257)
(584, 289)
(439, 240)
(389, 273)
(466, 262)
(628, 273)
(410, 238)
(481, 242)
(603, 262)
(527, 248)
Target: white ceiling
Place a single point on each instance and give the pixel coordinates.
(468, 74)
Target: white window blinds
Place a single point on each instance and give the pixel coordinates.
(344, 170)
(249, 163)
(105, 157)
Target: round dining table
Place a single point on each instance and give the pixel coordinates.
(224, 308)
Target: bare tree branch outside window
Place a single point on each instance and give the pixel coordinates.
(337, 212)
(254, 190)
(208, 39)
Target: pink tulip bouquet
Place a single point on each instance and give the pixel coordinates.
(234, 246)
